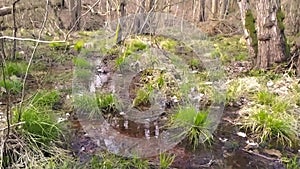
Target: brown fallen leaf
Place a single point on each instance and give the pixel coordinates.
(273, 152)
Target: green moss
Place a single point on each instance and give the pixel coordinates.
(280, 18)
(59, 45)
(79, 45)
(133, 46)
(250, 26)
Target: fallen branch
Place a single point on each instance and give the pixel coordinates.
(30, 39)
(261, 155)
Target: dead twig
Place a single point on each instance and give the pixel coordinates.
(261, 155)
(15, 29)
(30, 39)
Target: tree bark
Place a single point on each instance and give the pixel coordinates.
(223, 9)
(75, 12)
(265, 32)
(208, 11)
(292, 16)
(202, 14)
(272, 47)
(122, 13)
(248, 22)
(214, 8)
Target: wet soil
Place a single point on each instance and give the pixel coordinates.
(226, 151)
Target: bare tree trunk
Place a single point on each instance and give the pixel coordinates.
(265, 34)
(292, 16)
(202, 14)
(122, 13)
(139, 19)
(248, 22)
(223, 9)
(75, 12)
(214, 8)
(272, 46)
(14, 30)
(208, 11)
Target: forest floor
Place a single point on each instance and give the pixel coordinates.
(234, 145)
(259, 127)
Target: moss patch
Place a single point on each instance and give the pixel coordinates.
(250, 26)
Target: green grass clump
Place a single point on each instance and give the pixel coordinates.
(291, 163)
(40, 124)
(195, 124)
(13, 84)
(165, 160)
(45, 98)
(229, 49)
(234, 91)
(132, 46)
(265, 97)
(94, 106)
(271, 119)
(276, 104)
(40, 121)
(111, 161)
(83, 75)
(82, 63)
(268, 125)
(15, 68)
(86, 104)
(143, 95)
(107, 102)
(264, 75)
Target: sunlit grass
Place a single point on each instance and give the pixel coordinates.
(268, 125)
(166, 160)
(40, 122)
(195, 124)
(93, 106)
(82, 63)
(111, 161)
(143, 95)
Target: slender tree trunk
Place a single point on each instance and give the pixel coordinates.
(202, 14)
(272, 47)
(75, 11)
(248, 22)
(223, 9)
(208, 11)
(214, 8)
(14, 49)
(139, 19)
(122, 13)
